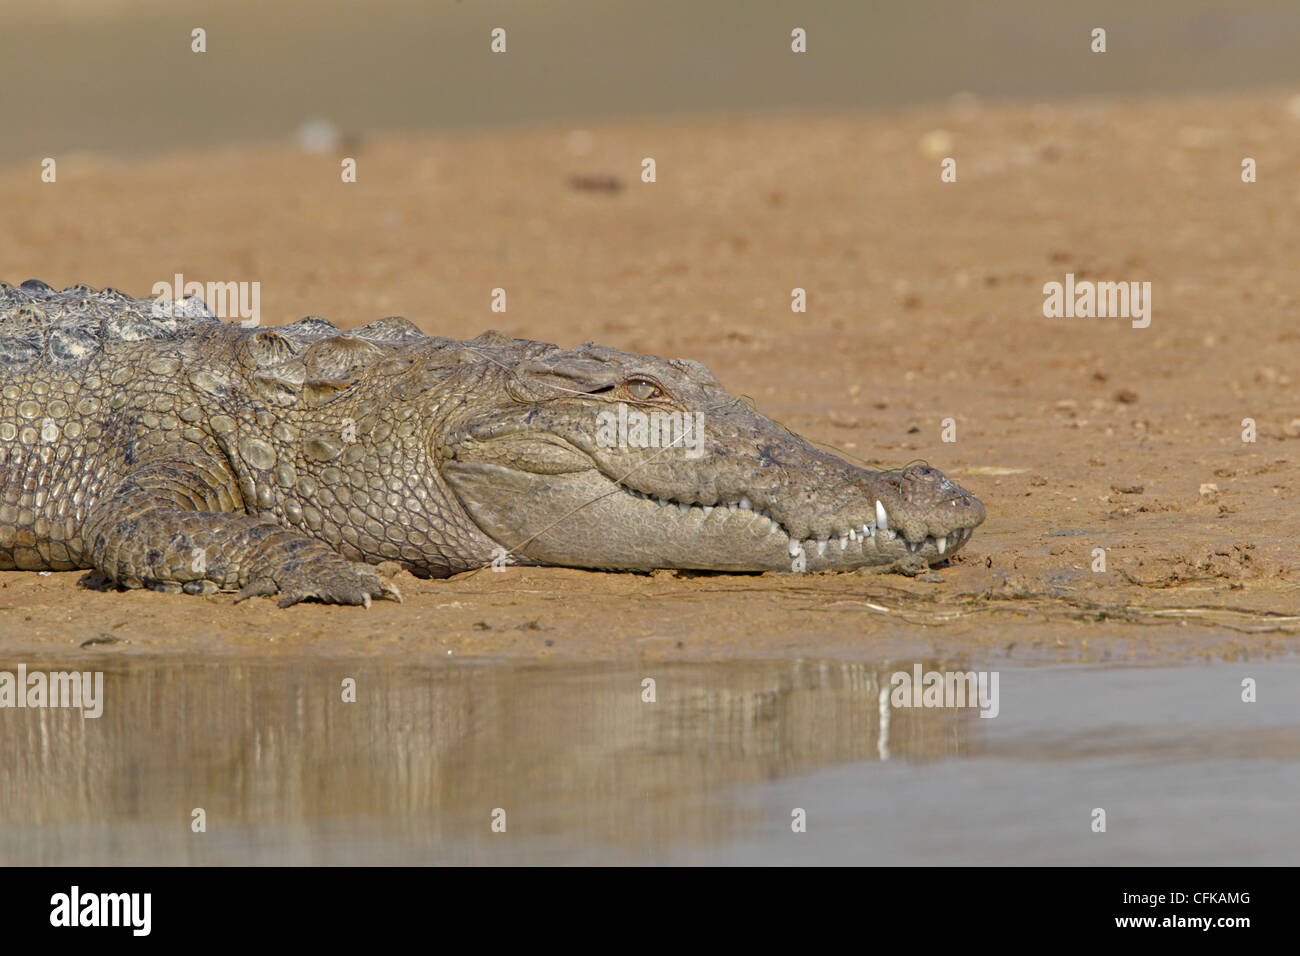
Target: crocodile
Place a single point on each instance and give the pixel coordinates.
(160, 446)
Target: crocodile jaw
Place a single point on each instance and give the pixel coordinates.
(585, 519)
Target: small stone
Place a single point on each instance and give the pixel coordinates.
(318, 136)
(844, 421)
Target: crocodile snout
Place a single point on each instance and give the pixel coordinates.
(929, 504)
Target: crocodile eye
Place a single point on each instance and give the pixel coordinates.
(642, 389)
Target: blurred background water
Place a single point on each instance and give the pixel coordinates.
(118, 75)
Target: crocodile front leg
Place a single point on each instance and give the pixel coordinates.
(164, 528)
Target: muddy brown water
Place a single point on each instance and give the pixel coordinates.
(586, 770)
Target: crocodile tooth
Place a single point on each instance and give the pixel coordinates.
(853, 534)
(942, 544)
(882, 519)
(683, 507)
(868, 530)
(821, 546)
(744, 503)
(732, 506)
(708, 510)
(794, 548)
(844, 541)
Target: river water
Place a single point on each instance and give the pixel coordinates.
(493, 762)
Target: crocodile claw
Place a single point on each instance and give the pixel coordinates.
(328, 582)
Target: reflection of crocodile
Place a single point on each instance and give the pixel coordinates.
(587, 771)
(176, 451)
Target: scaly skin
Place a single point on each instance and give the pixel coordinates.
(180, 452)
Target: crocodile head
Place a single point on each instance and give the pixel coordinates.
(599, 458)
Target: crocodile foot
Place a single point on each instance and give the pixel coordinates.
(327, 578)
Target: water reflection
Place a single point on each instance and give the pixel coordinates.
(1187, 770)
(286, 770)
